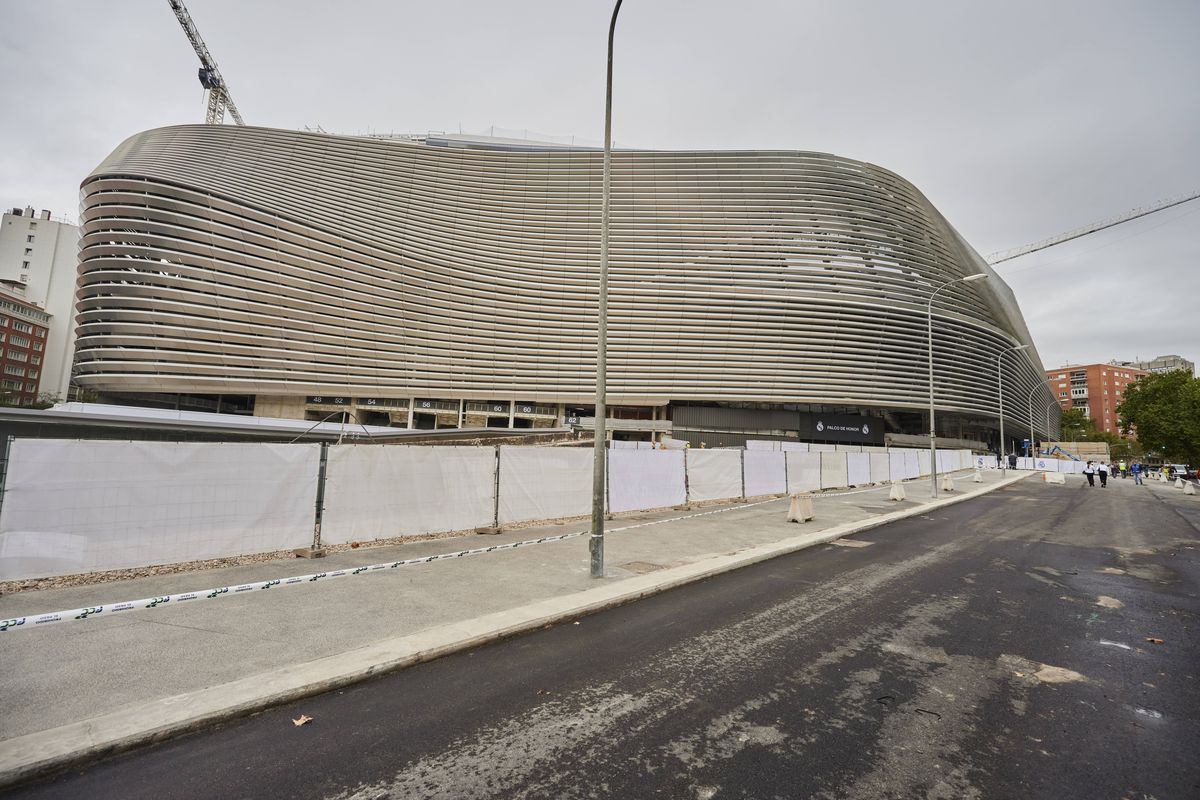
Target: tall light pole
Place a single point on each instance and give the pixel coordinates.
(596, 542)
(982, 276)
(1031, 394)
(1000, 388)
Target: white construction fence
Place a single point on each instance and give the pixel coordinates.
(1039, 464)
(72, 506)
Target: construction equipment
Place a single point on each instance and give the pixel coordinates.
(1009, 255)
(219, 99)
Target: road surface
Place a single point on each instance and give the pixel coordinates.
(1040, 641)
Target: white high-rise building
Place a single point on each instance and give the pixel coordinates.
(39, 261)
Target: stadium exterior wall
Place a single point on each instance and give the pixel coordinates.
(256, 261)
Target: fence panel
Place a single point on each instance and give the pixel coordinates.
(896, 469)
(641, 479)
(803, 472)
(82, 506)
(714, 474)
(912, 463)
(880, 469)
(794, 447)
(833, 471)
(765, 473)
(923, 462)
(858, 469)
(986, 462)
(544, 483)
(380, 491)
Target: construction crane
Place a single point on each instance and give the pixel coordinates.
(219, 99)
(1009, 255)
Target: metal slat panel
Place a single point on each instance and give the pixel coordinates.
(260, 261)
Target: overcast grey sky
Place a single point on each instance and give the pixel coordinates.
(1019, 120)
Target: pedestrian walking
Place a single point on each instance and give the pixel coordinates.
(1102, 469)
(1136, 469)
(1089, 472)
(1121, 469)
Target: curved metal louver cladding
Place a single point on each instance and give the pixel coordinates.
(269, 262)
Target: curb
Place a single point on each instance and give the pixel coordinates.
(36, 754)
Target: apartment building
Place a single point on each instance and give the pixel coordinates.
(24, 329)
(1096, 388)
(39, 260)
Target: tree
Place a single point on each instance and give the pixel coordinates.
(1077, 426)
(1164, 411)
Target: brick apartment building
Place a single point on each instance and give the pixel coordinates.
(23, 331)
(1096, 388)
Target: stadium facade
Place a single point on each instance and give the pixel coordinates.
(444, 280)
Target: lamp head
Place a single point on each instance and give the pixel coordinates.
(982, 276)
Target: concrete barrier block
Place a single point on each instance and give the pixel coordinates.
(978, 476)
(1054, 477)
(947, 483)
(801, 508)
(1189, 488)
(1179, 483)
(897, 492)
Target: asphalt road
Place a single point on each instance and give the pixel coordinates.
(1040, 641)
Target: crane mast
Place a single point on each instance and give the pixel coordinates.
(219, 99)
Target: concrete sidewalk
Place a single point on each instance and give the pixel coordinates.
(81, 689)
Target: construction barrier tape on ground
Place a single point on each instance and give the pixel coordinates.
(108, 609)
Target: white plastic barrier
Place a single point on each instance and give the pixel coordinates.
(833, 471)
(544, 483)
(821, 448)
(912, 463)
(379, 491)
(1048, 464)
(858, 469)
(880, 469)
(945, 461)
(896, 471)
(714, 474)
(924, 462)
(1024, 463)
(847, 448)
(794, 447)
(765, 473)
(803, 472)
(83, 506)
(761, 444)
(641, 479)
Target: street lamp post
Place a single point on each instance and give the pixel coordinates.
(1000, 392)
(596, 542)
(932, 427)
(1032, 452)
